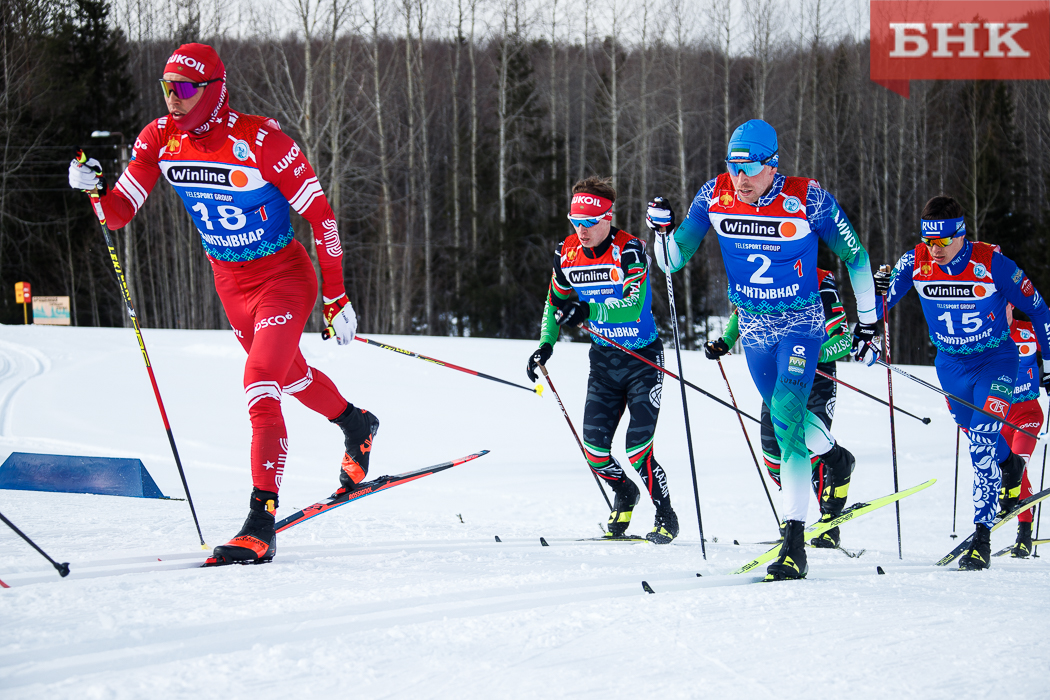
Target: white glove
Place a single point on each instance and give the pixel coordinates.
(85, 176)
(659, 216)
(342, 321)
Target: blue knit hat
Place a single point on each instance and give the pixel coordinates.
(753, 140)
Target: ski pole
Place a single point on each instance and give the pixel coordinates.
(748, 441)
(953, 397)
(543, 371)
(82, 158)
(1042, 481)
(63, 569)
(538, 389)
(685, 403)
(893, 427)
(898, 409)
(955, 496)
(670, 374)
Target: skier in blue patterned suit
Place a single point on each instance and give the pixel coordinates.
(768, 226)
(964, 288)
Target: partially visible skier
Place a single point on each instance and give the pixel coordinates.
(609, 270)
(768, 226)
(238, 174)
(964, 288)
(1025, 413)
(830, 477)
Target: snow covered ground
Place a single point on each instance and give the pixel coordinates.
(395, 597)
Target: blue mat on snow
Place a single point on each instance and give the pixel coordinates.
(107, 476)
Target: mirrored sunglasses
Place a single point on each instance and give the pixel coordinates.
(942, 242)
(751, 168)
(182, 89)
(586, 223)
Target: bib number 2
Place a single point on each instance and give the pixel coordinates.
(758, 277)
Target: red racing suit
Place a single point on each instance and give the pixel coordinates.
(238, 183)
(1025, 412)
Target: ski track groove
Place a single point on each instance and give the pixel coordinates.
(127, 651)
(18, 364)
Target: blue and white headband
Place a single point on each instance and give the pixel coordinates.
(943, 228)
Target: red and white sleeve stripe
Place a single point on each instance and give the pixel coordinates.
(283, 163)
(128, 195)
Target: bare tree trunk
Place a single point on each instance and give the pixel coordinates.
(501, 111)
(410, 219)
(723, 18)
(802, 79)
(643, 103)
(456, 148)
(473, 142)
(815, 81)
(428, 279)
(384, 170)
(583, 88)
(553, 101)
(683, 182)
(614, 105)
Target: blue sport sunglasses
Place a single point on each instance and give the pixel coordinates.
(586, 223)
(750, 168)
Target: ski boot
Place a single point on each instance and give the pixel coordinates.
(359, 429)
(837, 468)
(1013, 472)
(665, 528)
(1022, 548)
(791, 562)
(256, 543)
(627, 495)
(979, 555)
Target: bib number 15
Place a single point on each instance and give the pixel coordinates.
(231, 218)
(971, 322)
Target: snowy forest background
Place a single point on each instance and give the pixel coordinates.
(447, 134)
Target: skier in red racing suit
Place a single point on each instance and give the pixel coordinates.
(238, 174)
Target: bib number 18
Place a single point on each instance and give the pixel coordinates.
(231, 218)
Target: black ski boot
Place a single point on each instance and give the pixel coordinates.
(837, 468)
(1010, 493)
(791, 562)
(359, 429)
(1022, 548)
(665, 528)
(979, 555)
(627, 495)
(256, 543)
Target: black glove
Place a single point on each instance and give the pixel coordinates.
(864, 335)
(1044, 377)
(573, 314)
(538, 358)
(882, 281)
(714, 349)
(659, 216)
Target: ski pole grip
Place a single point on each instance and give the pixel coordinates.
(327, 333)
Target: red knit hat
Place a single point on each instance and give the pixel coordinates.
(200, 62)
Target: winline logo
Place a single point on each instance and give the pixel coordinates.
(965, 40)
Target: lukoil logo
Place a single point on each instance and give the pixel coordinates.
(961, 40)
(188, 61)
